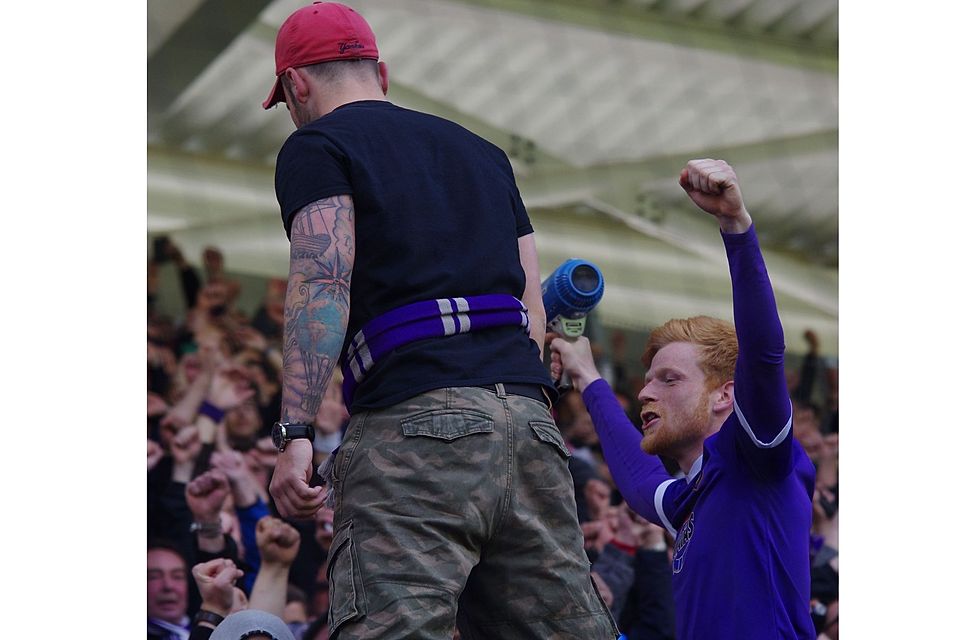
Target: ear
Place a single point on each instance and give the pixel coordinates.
(723, 397)
(297, 80)
(384, 79)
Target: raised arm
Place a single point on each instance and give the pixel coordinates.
(640, 477)
(278, 543)
(316, 309)
(762, 403)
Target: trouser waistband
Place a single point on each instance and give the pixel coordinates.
(525, 389)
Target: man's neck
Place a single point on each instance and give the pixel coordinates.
(358, 94)
(687, 460)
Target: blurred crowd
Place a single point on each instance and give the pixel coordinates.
(213, 394)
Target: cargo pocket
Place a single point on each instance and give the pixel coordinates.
(347, 598)
(548, 432)
(446, 424)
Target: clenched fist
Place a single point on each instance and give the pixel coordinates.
(713, 186)
(277, 541)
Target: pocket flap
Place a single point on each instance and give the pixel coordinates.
(343, 575)
(548, 432)
(447, 424)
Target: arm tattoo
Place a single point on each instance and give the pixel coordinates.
(317, 304)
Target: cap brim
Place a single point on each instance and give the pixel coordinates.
(276, 96)
(243, 623)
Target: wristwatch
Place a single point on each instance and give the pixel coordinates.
(211, 618)
(284, 432)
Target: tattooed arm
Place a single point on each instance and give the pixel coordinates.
(315, 320)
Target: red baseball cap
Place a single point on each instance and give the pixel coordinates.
(322, 32)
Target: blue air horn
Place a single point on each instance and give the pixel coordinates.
(569, 294)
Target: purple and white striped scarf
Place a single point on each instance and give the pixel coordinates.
(422, 320)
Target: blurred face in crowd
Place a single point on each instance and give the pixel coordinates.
(806, 429)
(675, 403)
(213, 260)
(190, 368)
(166, 586)
(323, 533)
(597, 494)
(294, 611)
(243, 422)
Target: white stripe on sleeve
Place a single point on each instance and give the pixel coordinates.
(763, 445)
(658, 503)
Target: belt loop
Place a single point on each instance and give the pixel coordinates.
(501, 392)
(546, 396)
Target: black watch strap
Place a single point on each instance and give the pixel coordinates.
(207, 616)
(296, 431)
(284, 432)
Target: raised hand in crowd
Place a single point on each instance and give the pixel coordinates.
(215, 580)
(198, 370)
(219, 387)
(250, 338)
(156, 405)
(185, 446)
(278, 543)
(632, 530)
(245, 486)
(229, 387)
(154, 454)
(161, 357)
(597, 534)
(185, 409)
(206, 495)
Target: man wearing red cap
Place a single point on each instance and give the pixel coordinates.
(413, 265)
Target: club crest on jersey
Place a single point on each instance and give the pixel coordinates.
(683, 540)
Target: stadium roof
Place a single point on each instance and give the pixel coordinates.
(598, 103)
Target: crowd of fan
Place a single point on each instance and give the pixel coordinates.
(213, 535)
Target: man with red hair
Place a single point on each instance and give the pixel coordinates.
(742, 514)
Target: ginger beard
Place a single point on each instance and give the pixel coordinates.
(679, 427)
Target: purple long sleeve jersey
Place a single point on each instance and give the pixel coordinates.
(742, 517)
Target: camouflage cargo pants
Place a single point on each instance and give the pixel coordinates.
(456, 506)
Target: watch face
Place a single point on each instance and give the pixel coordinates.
(279, 435)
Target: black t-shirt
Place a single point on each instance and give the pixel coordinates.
(437, 215)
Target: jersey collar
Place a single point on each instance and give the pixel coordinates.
(695, 469)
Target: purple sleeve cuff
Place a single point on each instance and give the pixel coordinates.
(748, 236)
